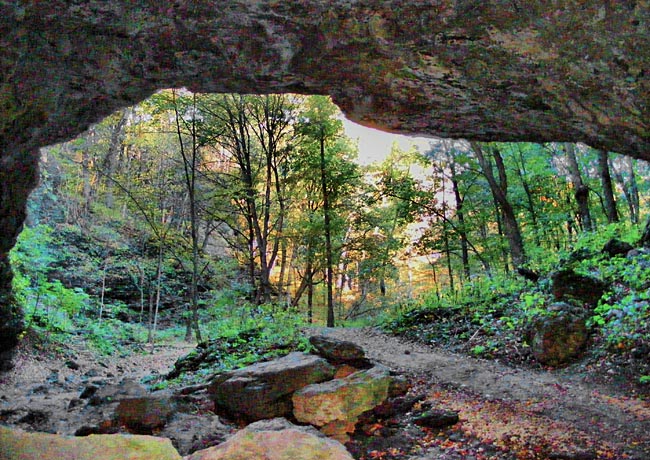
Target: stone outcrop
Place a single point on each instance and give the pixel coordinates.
(275, 439)
(558, 337)
(436, 418)
(489, 70)
(263, 390)
(335, 406)
(571, 286)
(617, 248)
(18, 445)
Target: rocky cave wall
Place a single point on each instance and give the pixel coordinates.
(484, 70)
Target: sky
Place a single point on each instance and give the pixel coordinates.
(375, 145)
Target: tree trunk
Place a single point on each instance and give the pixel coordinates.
(113, 153)
(629, 187)
(522, 173)
(329, 276)
(645, 237)
(499, 191)
(190, 166)
(633, 190)
(310, 291)
(464, 246)
(581, 191)
(606, 184)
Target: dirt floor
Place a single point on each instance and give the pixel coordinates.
(505, 413)
(513, 413)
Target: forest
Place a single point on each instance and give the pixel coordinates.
(240, 220)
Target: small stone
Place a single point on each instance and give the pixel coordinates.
(88, 392)
(72, 365)
(436, 418)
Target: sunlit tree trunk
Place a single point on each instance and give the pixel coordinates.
(329, 270)
(499, 191)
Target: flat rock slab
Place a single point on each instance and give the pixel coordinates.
(263, 390)
(275, 439)
(339, 351)
(19, 445)
(335, 405)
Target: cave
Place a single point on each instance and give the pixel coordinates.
(491, 70)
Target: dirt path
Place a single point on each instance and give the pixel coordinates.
(37, 393)
(508, 405)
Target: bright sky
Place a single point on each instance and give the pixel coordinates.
(375, 145)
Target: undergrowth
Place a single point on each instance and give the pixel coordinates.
(488, 317)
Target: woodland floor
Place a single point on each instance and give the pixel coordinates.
(505, 413)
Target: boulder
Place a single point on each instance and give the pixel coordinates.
(18, 445)
(192, 432)
(569, 285)
(557, 338)
(264, 390)
(126, 389)
(614, 248)
(275, 439)
(339, 351)
(144, 415)
(335, 406)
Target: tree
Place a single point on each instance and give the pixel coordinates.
(624, 175)
(499, 190)
(606, 184)
(581, 191)
(254, 134)
(325, 151)
(187, 122)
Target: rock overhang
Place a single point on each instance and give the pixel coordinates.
(494, 70)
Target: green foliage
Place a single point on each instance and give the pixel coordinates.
(114, 337)
(486, 306)
(238, 339)
(595, 241)
(47, 303)
(278, 328)
(624, 322)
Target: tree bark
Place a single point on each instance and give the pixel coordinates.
(115, 147)
(645, 237)
(629, 186)
(633, 190)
